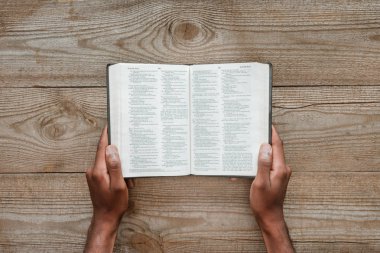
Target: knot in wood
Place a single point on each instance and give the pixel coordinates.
(55, 130)
(189, 33)
(62, 122)
(146, 242)
(186, 31)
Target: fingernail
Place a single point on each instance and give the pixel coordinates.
(266, 150)
(111, 151)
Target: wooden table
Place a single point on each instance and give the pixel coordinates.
(326, 106)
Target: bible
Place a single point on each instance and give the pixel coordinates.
(174, 120)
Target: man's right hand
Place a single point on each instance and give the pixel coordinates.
(268, 193)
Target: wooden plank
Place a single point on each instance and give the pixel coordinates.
(57, 129)
(44, 130)
(68, 43)
(329, 129)
(325, 211)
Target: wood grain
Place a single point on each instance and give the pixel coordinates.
(329, 129)
(45, 130)
(56, 130)
(68, 43)
(326, 60)
(332, 212)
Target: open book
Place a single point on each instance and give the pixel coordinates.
(171, 120)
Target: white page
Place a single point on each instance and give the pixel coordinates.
(149, 118)
(206, 134)
(229, 117)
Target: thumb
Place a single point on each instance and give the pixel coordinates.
(264, 162)
(114, 167)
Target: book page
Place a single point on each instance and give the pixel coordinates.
(149, 118)
(229, 117)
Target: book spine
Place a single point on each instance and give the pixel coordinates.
(108, 105)
(270, 103)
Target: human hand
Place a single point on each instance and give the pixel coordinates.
(108, 190)
(268, 193)
(269, 187)
(109, 195)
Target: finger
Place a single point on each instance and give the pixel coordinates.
(88, 170)
(88, 173)
(278, 151)
(131, 183)
(289, 170)
(100, 153)
(114, 167)
(264, 163)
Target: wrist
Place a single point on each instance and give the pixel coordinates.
(273, 228)
(108, 224)
(271, 221)
(101, 235)
(276, 234)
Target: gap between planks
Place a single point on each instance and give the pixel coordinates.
(273, 87)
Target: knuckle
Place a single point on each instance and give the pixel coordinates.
(88, 173)
(282, 173)
(289, 171)
(96, 176)
(119, 188)
(259, 185)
